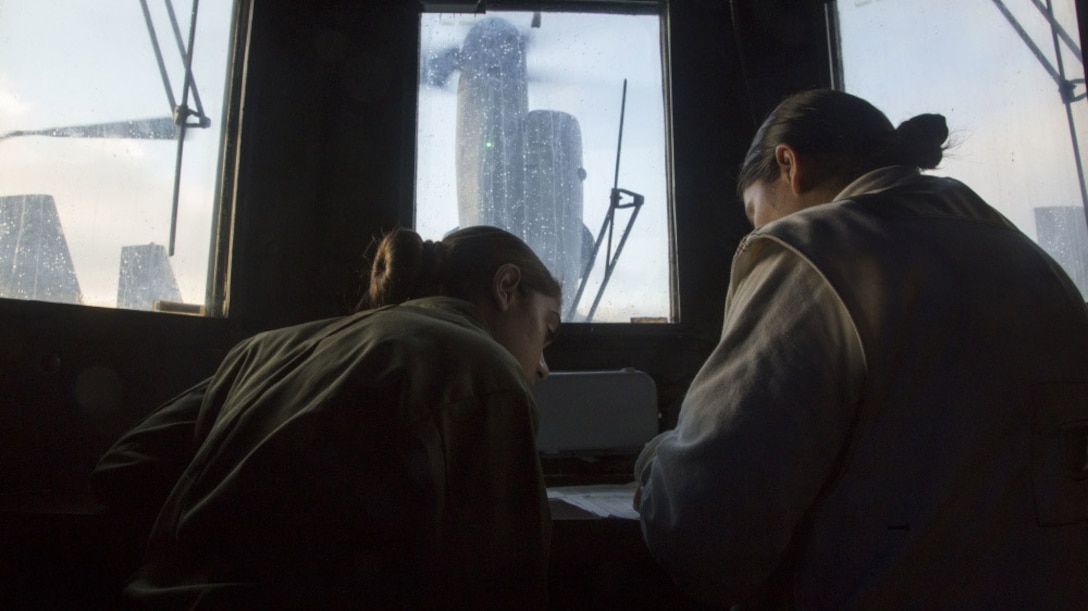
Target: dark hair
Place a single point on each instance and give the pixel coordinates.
(843, 133)
(462, 264)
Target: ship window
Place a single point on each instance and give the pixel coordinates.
(552, 125)
(1009, 77)
(108, 161)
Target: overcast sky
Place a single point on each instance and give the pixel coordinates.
(68, 62)
(963, 59)
(73, 62)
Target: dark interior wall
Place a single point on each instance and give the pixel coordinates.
(327, 138)
(1082, 23)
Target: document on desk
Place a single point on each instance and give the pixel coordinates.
(606, 501)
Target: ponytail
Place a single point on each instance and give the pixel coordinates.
(405, 267)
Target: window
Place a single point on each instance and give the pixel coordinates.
(1009, 77)
(108, 162)
(552, 125)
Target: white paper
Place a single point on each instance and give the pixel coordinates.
(606, 501)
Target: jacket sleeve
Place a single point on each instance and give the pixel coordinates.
(137, 473)
(758, 432)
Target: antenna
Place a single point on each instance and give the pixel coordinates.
(608, 227)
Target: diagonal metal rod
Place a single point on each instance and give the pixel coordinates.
(611, 260)
(1065, 86)
(615, 190)
(181, 51)
(158, 55)
(1058, 30)
(180, 118)
(609, 219)
(1067, 99)
(1029, 42)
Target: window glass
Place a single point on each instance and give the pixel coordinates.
(89, 150)
(1009, 77)
(552, 126)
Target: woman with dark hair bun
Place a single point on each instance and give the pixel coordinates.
(841, 137)
(381, 460)
(895, 415)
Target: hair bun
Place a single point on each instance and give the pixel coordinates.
(920, 140)
(432, 267)
(395, 269)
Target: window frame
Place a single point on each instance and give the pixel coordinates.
(225, 193)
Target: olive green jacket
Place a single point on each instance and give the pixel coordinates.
(381, 460)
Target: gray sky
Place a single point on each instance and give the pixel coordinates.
(964, 60)
(68, 62)
(72, 62)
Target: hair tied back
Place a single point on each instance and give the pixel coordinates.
(395, 270)
(431, 277)
(919, 141)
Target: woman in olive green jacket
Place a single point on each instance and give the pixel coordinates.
(381, 460)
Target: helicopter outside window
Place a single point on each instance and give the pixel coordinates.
(552, 125)
(1009, 77)
(110, 136)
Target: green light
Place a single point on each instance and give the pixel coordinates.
(488, 144)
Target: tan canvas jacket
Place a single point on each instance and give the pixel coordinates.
(895, 416)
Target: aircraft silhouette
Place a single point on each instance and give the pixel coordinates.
(517, 168)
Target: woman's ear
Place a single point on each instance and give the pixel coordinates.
(792, 169)
(810, 180)
(504, 286)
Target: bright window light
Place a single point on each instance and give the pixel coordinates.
(552, 125)
(1009, 77)
(92, 102)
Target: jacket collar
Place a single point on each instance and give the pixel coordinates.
(878, 180)
(451, 308)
